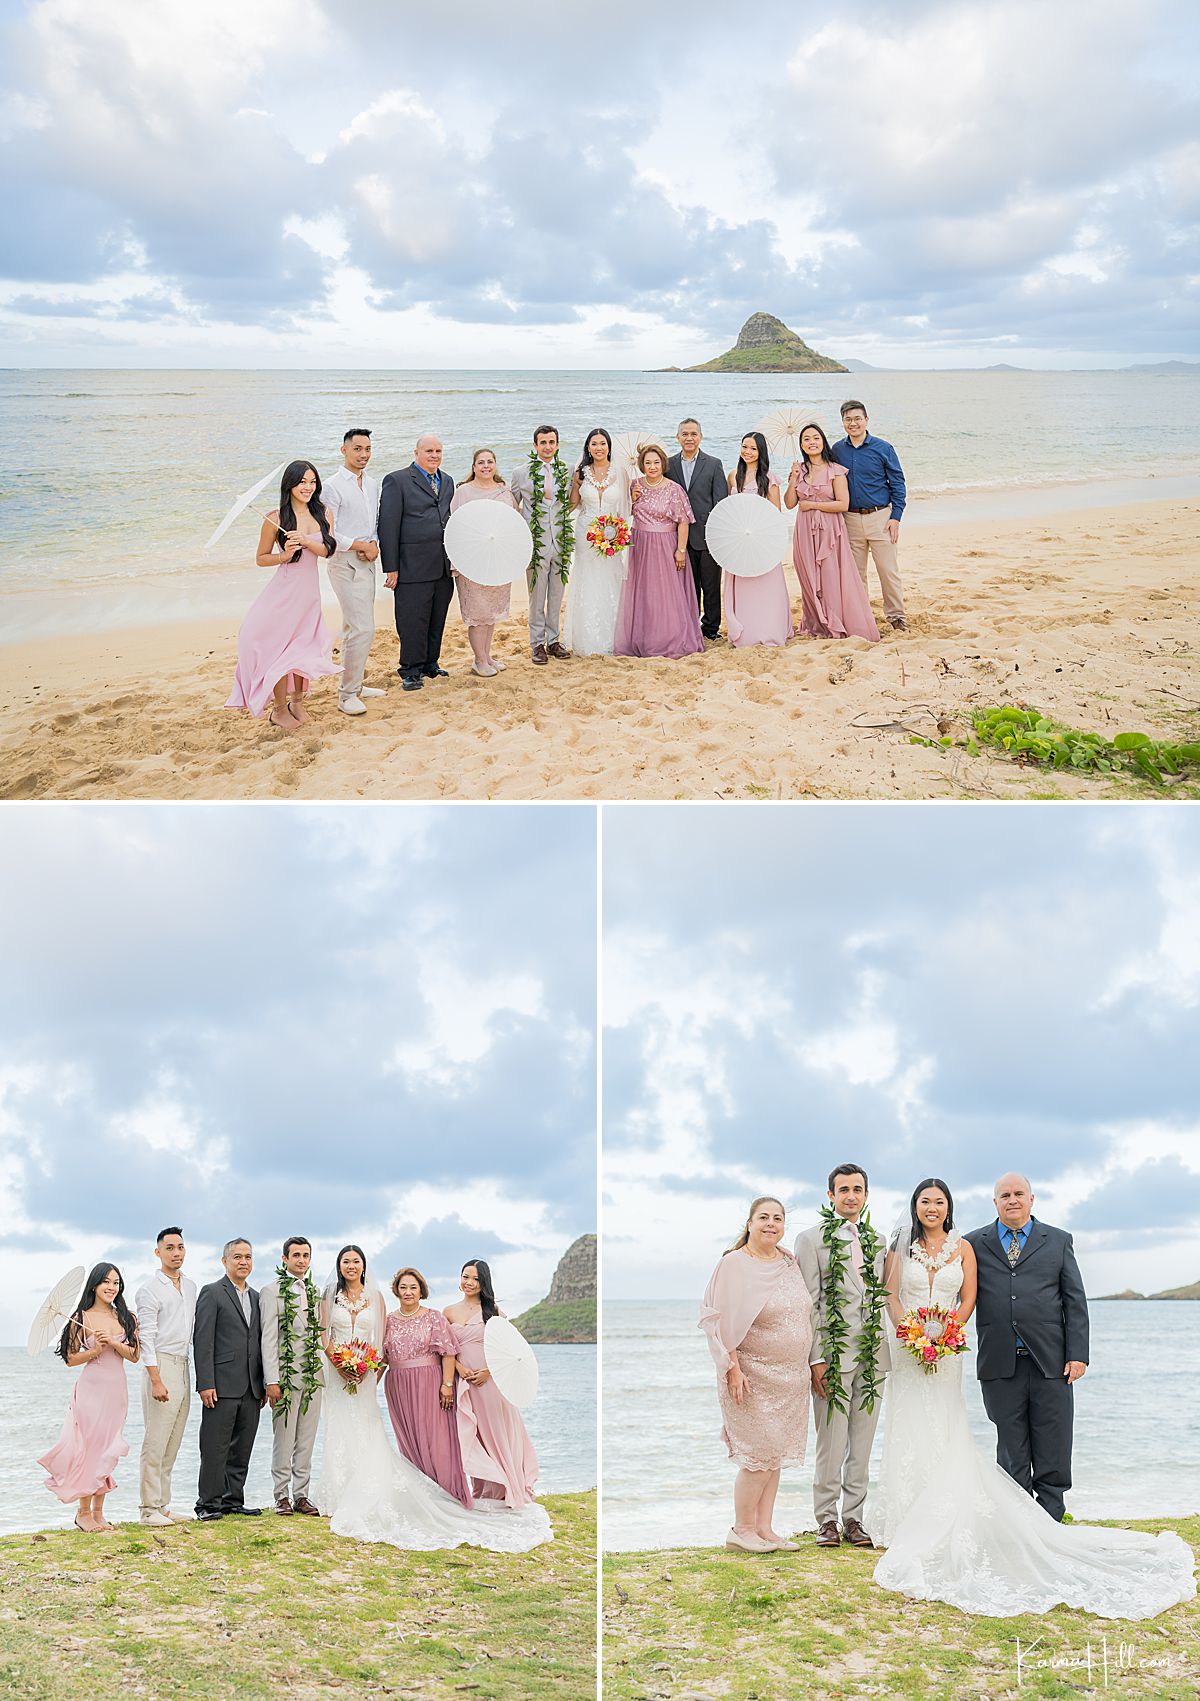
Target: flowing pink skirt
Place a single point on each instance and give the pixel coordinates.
(425, 1434)
(758, 611)
(658, 614)
(497, 1453)
(835, 600)
(283, 634)
(84, 1457)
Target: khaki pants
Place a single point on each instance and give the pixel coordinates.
(353, 584)
(843, 1455)
(292, 1442)
(869, 534)
(545, 604)
(163, 1423)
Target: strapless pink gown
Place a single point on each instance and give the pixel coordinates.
(284, 633)
(497, 1453)
(85, 1455)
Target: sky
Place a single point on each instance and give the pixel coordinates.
(294, 183)
(951, 991)
(271, 1019)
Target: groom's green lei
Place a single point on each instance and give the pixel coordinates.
(835, 1329)
(310, 1357)
(565, 534)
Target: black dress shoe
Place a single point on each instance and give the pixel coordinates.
(208, 1516)
(243, 1511)
(435, 673)
(411, 684)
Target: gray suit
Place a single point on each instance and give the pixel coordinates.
(294, 1436)
(843, 1442)
(227, 1352)
(708, 487)
(547, 589)
(1040, 1299)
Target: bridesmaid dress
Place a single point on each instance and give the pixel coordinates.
(497, 1453)
(83, 1459)
(836, 604)
(283, 633)
(758, 611)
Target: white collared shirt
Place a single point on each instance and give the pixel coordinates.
(244, 1296)
(355, 510)
(165, 1316)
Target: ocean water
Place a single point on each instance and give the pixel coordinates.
(668, 1483)
(34, 1395)
(111, 481)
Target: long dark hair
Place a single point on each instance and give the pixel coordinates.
(487, 1295)
(743, 1238)
(764, 464)
(72, 1333)
(917, 1231)
(341, 1280)
(826, 451)
(292, 474)
(586, 461)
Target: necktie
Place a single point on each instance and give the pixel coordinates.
(855, 1248)
(1014, 1246)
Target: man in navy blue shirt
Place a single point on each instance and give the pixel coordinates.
(877, 498)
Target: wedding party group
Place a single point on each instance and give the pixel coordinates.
(462, 1470)
(853, 1325)
(618, 559)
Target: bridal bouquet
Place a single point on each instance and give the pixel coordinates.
(355, 1360)
(930, 1334)
(609, 534)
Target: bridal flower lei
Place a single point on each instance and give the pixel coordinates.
(564, 534)
(310, 1353)
(835, 1329)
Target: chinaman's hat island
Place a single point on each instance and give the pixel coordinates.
(766, 345)
(567, 1315)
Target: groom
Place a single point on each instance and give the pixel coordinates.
(543, 492)
(227, 1349)
(841, 1261)
(294, 1371)
(1031, 1319)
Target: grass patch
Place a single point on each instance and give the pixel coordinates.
(693, 1624)
(569, 1322)
(271, 1607)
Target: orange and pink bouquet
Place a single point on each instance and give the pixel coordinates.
(609, 534)
(356, 1360)
(930, 1334)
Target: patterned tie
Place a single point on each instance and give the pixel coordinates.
(1014, 1246)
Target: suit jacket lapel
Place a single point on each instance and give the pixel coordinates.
(234, 1299)
(1037, 1238)
(992, 1241)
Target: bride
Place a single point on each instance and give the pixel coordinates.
(367, 1490)
(597, 488)
(957, 1528)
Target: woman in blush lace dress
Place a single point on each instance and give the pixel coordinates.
(956, 1526)
(283, 644)
(482, 606)
(497, 1453)
(597, 488)
(758, 610)
(419, 1346)
(658, 613)
(757, 1316)
(101, 1336)
(835, 599)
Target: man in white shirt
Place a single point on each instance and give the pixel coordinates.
(166, 1314)
(353, 500)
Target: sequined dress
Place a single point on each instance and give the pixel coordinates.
(770, 1428)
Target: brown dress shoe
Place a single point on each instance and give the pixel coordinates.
(284, 1507)
(854, 1532)
(559, 653)
(827, 1535)
(305, 1506)
(540, 658)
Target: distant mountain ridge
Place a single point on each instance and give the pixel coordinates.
(1191, 1291)
(766, 345)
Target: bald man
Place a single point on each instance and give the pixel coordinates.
(1031, 1320)
(414, 505)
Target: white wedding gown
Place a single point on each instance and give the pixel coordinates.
(370, 1493)
(595, 585)
(958, 1529)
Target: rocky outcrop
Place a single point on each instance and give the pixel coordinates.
(568, 1312)
(766, 345)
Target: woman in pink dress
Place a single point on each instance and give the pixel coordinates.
(759, 610)
(101, 1336)
(497, 1453)
(283, 643)
(835, 599)
(481, 606)
(658, 614)
(420, 1347)
(757, 1316)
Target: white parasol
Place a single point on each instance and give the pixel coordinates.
(782, 431)
(244, 501)
(489, 542)
(511, 1360)
(54, 1310)
(626, 447)
(748, 535)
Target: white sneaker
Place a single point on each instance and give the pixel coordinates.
(371, 691)
(159, 1520)
(352, 705)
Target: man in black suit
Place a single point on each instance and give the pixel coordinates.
(227, 1347)
(414, 505)
(1031, 1319)
(703, 477)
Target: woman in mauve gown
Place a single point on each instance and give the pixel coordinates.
(283, 644)
(758, 610)
(497, 1453)
(836, 604)
(101, 1336)
(419, 1346)
(757, 1316)
(658, 614)
(482, 606)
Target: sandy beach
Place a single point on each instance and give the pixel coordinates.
(1090, 615)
